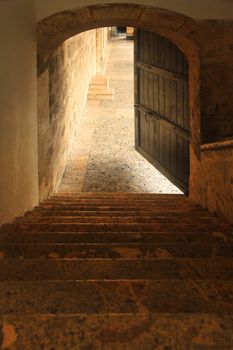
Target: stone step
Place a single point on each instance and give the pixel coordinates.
(99, 94)
(119, 220)
(125, 205)
(176, 201)
(116, 194)
(164, 201)
(132, 331)
(125, 200)
(115, 250)
(116, 213)
(115, 269)
(95, 89)
(117, 227)
(140, 205)
(120, 207)
(140, 195)
(99, 80)
(125, 297)
(143, 205)
(115, 237)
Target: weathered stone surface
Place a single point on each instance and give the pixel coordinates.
(114, 227)
(120, 297)
(71, 251)
(119, 269)
(117, 290)
(213, 236)
(62, 91)
(120, 332)
(217, 168)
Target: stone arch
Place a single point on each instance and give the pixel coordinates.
(183, 31)
(180, 29)
(54, 30)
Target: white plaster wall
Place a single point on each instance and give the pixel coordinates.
(18, 117)
(202, 9)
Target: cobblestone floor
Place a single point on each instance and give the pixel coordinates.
(103, 157)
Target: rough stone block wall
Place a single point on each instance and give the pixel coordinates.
(101, 43)
(62, 93)
(217, 168)
(216, 89)
(212, 185)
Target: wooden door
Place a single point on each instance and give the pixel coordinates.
(162, 130)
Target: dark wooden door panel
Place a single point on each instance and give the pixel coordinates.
(161, 106)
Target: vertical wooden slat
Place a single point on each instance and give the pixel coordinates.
(156, 150)
(156, 50)
(151, 137)
(142, 130)
(180, 62)
(146, 135)
(186, 107)
(150, 48)
(151, 95)
(167, 148)
(162, 144)
(180, 105)
(142, 87)
(167, 96)
(156, 93)
(161, 95)
(173, 97)
(173, 153)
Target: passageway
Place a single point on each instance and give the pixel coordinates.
(113, 270)
(103, 157)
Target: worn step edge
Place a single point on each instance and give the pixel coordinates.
(115, 200)
(114, 250)
(116, 269)
(116, 194)
(117, 228)
(119, 213)
(114, 237)
(117, 330)
(177, 296)
(125, 206)
(116, 220)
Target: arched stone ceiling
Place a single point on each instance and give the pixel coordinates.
(198, 9)
(54, 30)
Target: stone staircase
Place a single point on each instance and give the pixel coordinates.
(116, 271)
(99, 88)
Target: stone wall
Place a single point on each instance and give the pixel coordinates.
(62, 94)
(18, 117)
(216, 84)
(101, 44)
(217, 168)
(213, 178)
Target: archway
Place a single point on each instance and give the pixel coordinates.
(54, 30)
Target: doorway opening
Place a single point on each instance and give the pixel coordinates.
(103, 156)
